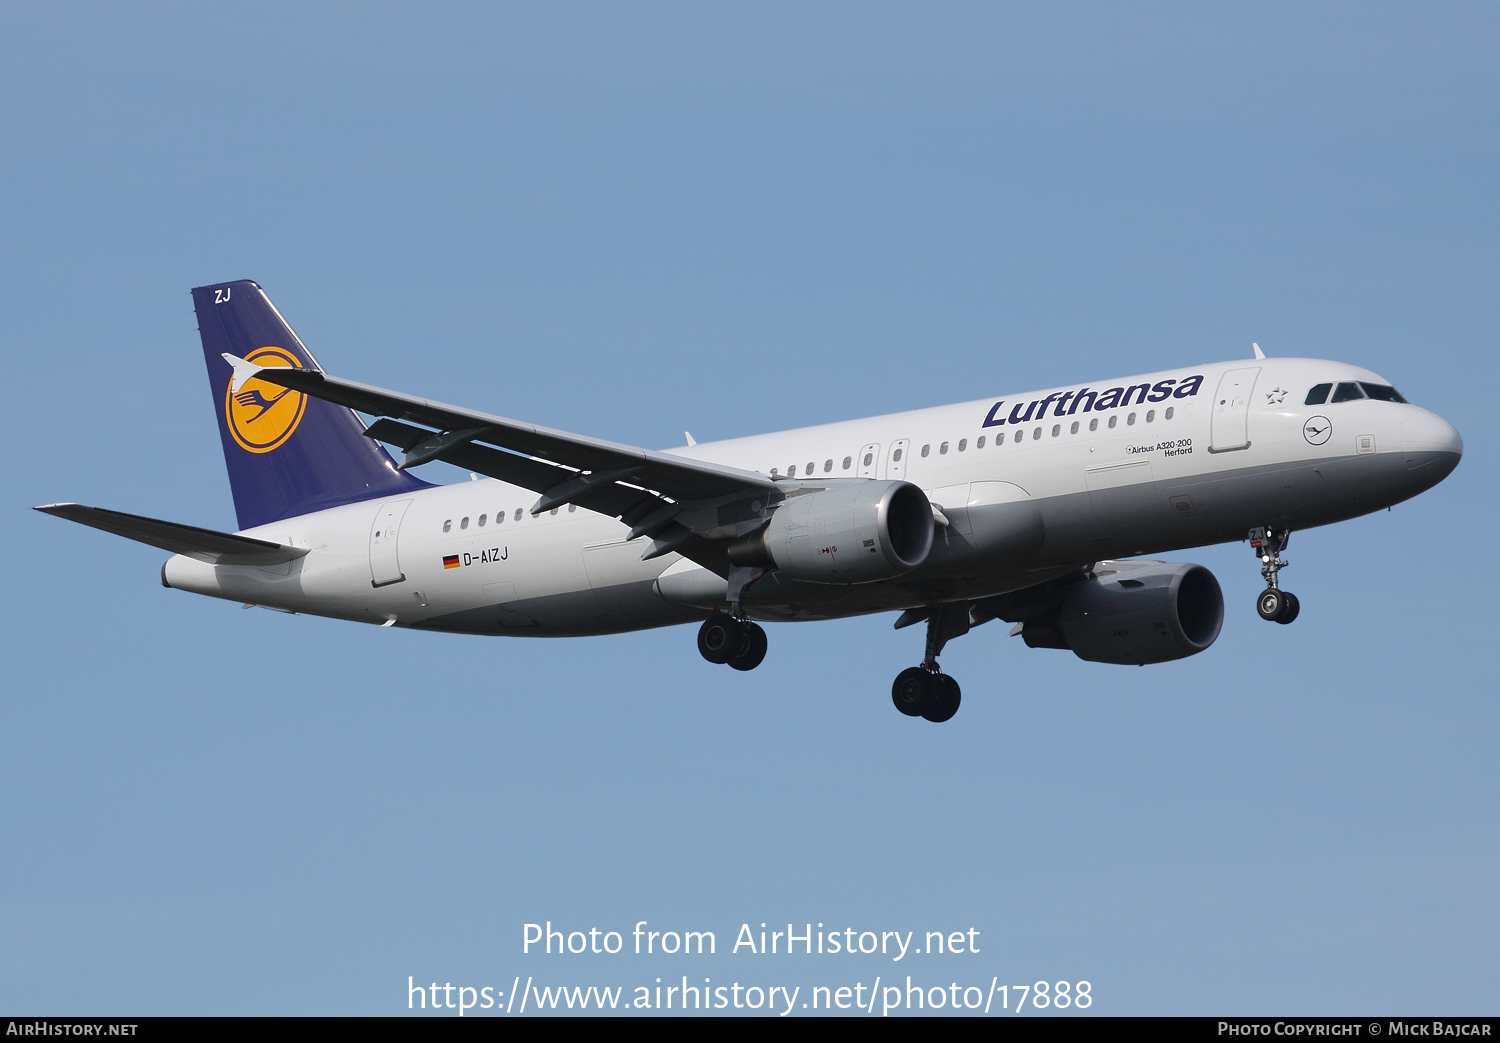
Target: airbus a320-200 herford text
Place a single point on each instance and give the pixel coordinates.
(1020, 508)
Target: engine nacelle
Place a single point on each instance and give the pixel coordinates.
(859, 533)
(1143, 612)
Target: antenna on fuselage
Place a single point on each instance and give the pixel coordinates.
(1258, 353)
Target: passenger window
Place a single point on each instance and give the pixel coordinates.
(483, 518)
(979, 444)
(869, 457)
(1130, 420)
(1168, 414)
(1318, 395)
(847, 461)
(552, 511)
(811, 467)
(926, 449)
(1000, 438)
(1094, 424)
(963, 443)
(774, 472)
(791, 472)
(1382, 392)
(1347, 392)
(896, 457)
(448, 525)
(1036, 434)
(1150, 415)
(1113, 421)
(1056, 430)
(499, 517)
(1074, 429)
(828, 464)
(943, 449)
(518, 514)
(572, 507)
(464, 524)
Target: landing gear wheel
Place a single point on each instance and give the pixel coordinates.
(1271, 604)
(1289, 608)
(910, 692)
(945, 704)
(751, 650)
(720, 638)
(1274, 604)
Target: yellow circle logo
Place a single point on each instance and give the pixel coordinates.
(263, 415)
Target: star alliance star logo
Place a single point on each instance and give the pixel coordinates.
(1275, 396)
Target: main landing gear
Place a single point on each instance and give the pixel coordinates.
(737, 642)
(920, 692)
(732, 638)
(924, 691)
(1274, 604)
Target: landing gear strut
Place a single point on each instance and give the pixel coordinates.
(738, 642)
(924, 691)
(1274, 604)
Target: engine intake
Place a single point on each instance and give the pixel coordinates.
(1146, 612)
(859, 533)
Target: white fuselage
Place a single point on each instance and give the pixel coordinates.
(1174, 471)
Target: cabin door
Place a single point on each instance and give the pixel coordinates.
(1229, 428)
(385, 566)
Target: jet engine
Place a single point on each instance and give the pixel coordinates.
(1133, 613)
(858, 533)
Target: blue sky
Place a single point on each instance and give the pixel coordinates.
(633, 220)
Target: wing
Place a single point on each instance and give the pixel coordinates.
(693, 507)
(216, 548)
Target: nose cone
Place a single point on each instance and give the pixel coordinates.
(1425, 432)
(1430, 444)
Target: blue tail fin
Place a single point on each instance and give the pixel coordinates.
(287, 454)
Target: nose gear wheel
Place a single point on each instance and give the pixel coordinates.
(1274, 605)
(1277, 606)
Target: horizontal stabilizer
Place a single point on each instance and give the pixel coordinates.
(215, 548)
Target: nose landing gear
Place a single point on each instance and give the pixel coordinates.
(738, 643)
(1274, 604)
(924, 691)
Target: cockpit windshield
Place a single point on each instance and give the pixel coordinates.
(1382, 392)
(1352, 391)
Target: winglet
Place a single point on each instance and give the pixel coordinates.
(1258, 353)
(243, 371)
(690, 438)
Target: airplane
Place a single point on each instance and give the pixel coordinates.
(1033, 508)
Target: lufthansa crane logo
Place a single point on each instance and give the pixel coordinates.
(263, 415)
(1317, 430)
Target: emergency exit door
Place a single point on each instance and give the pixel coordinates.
(1230, 424)
(869, 461)
(896, 467)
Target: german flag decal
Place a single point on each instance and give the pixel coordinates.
(450, 561)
